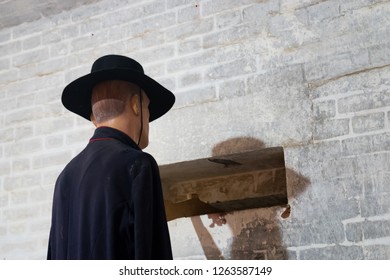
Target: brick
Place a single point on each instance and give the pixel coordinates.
(50, 160)
(192, 97)
(367, 123)
(324, 109)
(376, 229)
(42, 194)
(5, 168)
(376, 184)
(360, 58)
(60, 34)
(333, 252)
(17, 249)
(339, 168)
(52, 125)
(90, 27)
(327, 129)
(291, 5)
(47, 96)
(8, 104)
(188, 13)
(4, 201)
(17, 228)
(21, 165)
(327, 67)
(354, 232)
(9, 76)
(313, 153)
(191, 61)
(24, 100)
(350, 5)
(233, 35)
(176, 3)
(189, 46)
(152, 39)
(88, 42)
(3, 229)
(364, 101)
(260, 12)
(44, 208)
(167, 82)
(18, 197)
(315, 232)
(228, 19)
(286, 77)
(155, 55)
(189, 29)
(78, 136)
(155, 23)
(155, 70)
(323, 10)
(50, 81)
(366, 144)
(124, 15)
(377, 252)
(372, 163)
(21, 213)
(325, 196)
(380, 53)
(45, 68)
(218, 6)
(190, 79)
(31, 42)
(21, 182)
(4, 64)
(49, 179)
(22, 132)
(42, 226)
(33, 27)
(53, 142)
(59, 49)
(232, 69)
(243, 50)
(23, 147)
(22, 116)
(83, 13)
(7, 135)
(10, 48)
(352, 187)
(231, 89)
(375, 205)
(31, 57)
(55, 109)
(5, 35)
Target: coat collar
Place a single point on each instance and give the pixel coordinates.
(109, 133)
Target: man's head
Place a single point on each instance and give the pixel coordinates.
(76, 96)
(117, 104)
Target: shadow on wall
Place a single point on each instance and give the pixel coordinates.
(256, 232)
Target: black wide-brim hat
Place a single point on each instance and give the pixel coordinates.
(76, 96)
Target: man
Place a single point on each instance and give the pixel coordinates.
(108, 200)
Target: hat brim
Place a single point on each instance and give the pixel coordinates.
(76, 96)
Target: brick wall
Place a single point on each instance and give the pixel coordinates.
(312, 76)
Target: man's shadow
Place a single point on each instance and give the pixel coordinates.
(256, 233)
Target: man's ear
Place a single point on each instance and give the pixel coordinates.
(135, 106)
(93, 120)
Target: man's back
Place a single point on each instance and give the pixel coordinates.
(108, 204)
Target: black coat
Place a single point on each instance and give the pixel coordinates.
(108, 203)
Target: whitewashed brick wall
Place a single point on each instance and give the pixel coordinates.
(312, 76)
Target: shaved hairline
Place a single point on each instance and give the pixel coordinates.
(109, 99)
